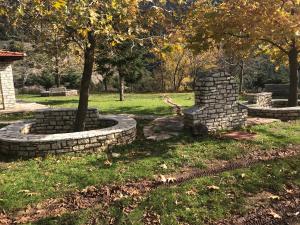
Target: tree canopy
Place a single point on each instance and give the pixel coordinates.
(269, 26)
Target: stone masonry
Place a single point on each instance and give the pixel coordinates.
(28, 138)
(278, 110)
(62, 120)
(8, 98)
(263, 99)
(216, 105)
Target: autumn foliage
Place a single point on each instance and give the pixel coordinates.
(270, 26)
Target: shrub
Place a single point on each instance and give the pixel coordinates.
(71, 80)
(46, 80)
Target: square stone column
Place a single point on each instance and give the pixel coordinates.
(216, 105)
(7, 89)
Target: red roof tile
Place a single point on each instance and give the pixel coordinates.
(11, 54)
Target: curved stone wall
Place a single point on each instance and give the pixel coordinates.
(17, 139)
(277, 111)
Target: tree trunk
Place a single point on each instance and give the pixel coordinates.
(293, 64)
(57, 75)
(85, 83)
(241, 77)
(162, 80)
(176, 71)
(105, 84)
(121, 87)
(299, 77)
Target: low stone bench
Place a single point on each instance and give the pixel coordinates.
(23, 139)
(279, 110)
(61, 91)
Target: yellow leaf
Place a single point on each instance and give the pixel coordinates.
(59, 4)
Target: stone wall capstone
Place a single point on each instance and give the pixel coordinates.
(216, 105)
(62, 120)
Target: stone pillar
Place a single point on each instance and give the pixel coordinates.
(216, 105)
(7, 86)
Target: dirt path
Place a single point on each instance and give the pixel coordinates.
(107, 195)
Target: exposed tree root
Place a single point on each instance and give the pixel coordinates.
(177, 108)
(108, 195)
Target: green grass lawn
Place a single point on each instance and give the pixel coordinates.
(24, 182)
(109, 103)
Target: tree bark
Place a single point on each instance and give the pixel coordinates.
(57, 75)
(89, 59)
(176, 71)
(293, 65)
(241, 77)
(105, 84)
(121, 87)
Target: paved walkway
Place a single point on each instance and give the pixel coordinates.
(164, 128)
(22, 107)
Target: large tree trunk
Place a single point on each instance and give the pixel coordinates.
(293, 64)
(121, 87)
(105, 84)
(85, 83)
(57, 75)
(241, 77)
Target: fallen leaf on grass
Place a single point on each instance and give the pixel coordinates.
(213, 188)
(274, 197)
(274, 215)
(191, 192)
(107, 163)
(293, 214)
(165, 180)
(116, 155)
(163, 166)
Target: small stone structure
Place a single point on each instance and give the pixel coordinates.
(51, 133)
(61, 91)
(216, 105)
(7, 89)
(263, 99)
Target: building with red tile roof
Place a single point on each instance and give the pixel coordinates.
(11, 56)
(7, 89)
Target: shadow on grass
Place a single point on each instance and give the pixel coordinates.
(140, 110)
(58, 102)
(66, 219)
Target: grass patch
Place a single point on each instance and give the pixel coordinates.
(24, 182)
(109, 103)
(31, 181)
(16, 116)
(193, 203)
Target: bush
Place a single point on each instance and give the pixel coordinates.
(31, 90)
(46, 80)
(71, 80)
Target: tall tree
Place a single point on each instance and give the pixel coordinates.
(83, 22)
(125, 59)
(269, 26)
